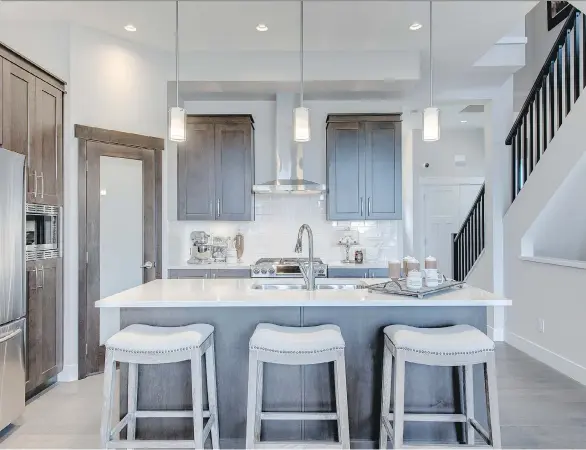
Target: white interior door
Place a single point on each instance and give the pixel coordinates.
(441, 212)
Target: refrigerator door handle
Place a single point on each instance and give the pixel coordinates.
(36, 183)
(10, 336)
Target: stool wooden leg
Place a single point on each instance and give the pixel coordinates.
(251, 407)
(385, 407)
(469, 396)
(212, 394)
(258, 401)
(342, 400)
(492, 404)
(108, 398)
(132, 399)
(399, 400)
(197, 398)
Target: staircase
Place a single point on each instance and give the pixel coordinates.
(558, 86)
(468, 242)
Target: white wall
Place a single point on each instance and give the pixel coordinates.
(546, 291)
(539, 43)
(440, 156)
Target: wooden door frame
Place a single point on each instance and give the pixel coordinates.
(85, 134)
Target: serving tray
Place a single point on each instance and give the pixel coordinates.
(399, 287)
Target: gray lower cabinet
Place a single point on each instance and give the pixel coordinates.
(355, 272)
(215, 169)
(363, 158)
(209, 273)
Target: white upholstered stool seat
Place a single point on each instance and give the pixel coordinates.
(459, 345)
(140, 338)
(455, 340)
(275, 338)
(144, 344)
(295, 346)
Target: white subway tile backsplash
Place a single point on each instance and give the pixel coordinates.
(273, 233)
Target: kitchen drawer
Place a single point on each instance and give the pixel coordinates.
(348, 272)
(378, 273)
(355, 272)
(189, 273)
(231, 273)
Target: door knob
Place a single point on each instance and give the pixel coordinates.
(148, 265)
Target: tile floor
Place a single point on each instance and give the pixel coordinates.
(540, 408)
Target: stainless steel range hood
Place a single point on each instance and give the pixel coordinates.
(289, 160)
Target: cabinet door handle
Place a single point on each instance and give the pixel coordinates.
(206, 275)
(369, 206)
(42, 270)
(218, 208)
(213, 275)
(361, 206)
(42, 185)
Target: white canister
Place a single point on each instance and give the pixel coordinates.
(414, 280)
(433, 278)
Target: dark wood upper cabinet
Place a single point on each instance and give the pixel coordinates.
(215, 169)
(383, 170)
(345, 171)
(48, 143)
(363, 155)
(195, 173)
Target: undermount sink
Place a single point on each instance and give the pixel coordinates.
(300, 287)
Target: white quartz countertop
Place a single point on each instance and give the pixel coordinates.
(193, 293)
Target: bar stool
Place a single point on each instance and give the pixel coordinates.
(144, 344)
(295, 346)
(460, 345)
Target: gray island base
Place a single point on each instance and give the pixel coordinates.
(308, 388)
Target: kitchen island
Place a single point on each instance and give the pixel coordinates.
(234, 308)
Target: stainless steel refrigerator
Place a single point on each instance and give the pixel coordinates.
(12, 286)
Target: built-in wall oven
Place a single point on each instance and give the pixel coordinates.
(43, 232)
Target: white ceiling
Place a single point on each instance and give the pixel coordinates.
(463, 32)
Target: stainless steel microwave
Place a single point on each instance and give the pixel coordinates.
(43, 231)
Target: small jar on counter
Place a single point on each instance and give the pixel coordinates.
(358, 256)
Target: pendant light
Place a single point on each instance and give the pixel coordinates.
(301, 132)
(431, 115)
(177, 118)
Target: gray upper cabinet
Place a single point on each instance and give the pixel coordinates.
(364, 167)
(215, 169)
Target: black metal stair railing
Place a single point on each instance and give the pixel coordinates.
(557, 87)
(468, 243)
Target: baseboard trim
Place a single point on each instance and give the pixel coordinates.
(496, 334)
(552, 359)
(70, 372)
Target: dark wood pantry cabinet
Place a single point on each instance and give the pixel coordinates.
(31, 123)
(215, 169)
(363, 158)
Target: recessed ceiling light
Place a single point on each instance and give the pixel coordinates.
(130, 27)
(463, 121)
(262, 27)
(415, 26)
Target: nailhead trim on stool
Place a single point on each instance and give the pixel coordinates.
(144, 344)
(295, 346)
(437, 347)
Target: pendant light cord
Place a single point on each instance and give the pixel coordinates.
(430, 53)
(301, 51)
(177, 50)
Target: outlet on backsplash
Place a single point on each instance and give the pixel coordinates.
(541, 325)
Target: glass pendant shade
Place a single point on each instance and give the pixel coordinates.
(431, 124)
(177, 124)
(301, 131)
